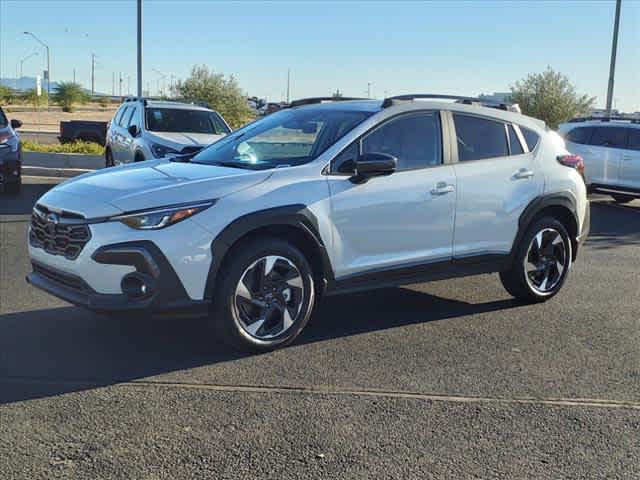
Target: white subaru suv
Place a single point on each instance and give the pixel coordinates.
(143, 129)
(610, 147)
(317, 200)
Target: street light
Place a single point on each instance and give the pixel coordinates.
(21, 62)
(163, 78)
(48, 65)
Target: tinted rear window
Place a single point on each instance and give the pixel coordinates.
(514, 142)
(634, 138)
(479, 138)
(3, 120)
(531, 137)
(580, 135)
(613, 137)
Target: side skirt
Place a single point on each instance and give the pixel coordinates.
(460, 267)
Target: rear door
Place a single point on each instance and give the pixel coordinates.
(497, 178)
(630, 165)
(606, 146)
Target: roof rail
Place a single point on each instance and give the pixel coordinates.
(458, 99)
(312, 100)
(135, 99)
(605, 119)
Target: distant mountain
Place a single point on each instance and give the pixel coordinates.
(27, 83)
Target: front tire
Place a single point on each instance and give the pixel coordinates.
(264, 295)
(542, 262)
(621, 198)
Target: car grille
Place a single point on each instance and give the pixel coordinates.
(65, 280)
(58, 234)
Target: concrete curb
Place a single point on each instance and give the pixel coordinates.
(53, 172)
(62, 160)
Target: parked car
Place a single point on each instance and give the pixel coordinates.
(10, 155)
(145, 129)
(611, 151)
(317, 200)
(84, 130)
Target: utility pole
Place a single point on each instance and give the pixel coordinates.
(74, 75)
(113, 84)
(139, 48)
(48, 65)
(120, 84)
(614, 49)
(93, 74)
(288, 85)
(128, 85)
(368, 89)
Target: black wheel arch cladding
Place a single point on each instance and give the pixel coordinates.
(295, 216)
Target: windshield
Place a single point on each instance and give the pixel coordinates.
(289, 137)
(184, 120)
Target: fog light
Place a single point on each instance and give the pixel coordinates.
(137, 285)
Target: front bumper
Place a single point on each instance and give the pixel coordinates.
(10, 167)
(164, 291)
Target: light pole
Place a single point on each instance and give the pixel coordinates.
(614, 49)
(48, 65)
(139, 92)
(21, 62)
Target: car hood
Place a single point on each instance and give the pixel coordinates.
(148, 184)
(179, 140)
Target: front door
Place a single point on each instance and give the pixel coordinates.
(402, 219)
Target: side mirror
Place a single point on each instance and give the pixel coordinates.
(133, 130)
(374, 164)
(16, 123)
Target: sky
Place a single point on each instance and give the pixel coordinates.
(453, 47)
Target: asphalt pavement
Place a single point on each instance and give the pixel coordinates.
(450, 379)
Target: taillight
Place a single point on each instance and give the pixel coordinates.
(573, 161)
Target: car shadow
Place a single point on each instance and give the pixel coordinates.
(51, 352)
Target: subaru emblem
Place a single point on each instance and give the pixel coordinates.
(53, 218)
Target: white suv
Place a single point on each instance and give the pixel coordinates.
(144, 129)
(611, 151)
(317, 200)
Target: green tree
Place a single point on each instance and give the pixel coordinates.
(337, 94)
(219, 92)
(7, 95)
(30, 97)
(68, 94)
(550, 96)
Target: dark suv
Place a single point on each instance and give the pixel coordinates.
(10, 155)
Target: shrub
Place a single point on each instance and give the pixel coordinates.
(30, 97)
(79, 146)
(68, 94)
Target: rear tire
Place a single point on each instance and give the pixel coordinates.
(621, 198)
(264, 295)
(108, 158)
(542, 262)
(138, 157)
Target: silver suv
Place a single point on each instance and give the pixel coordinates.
(145, 129)
(610, 148)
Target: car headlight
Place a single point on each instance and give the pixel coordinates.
(161, 217)
(160, 151)
(7, 139)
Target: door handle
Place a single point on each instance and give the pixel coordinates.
(442, 188)
(522, 174)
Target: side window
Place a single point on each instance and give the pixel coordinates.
(479, 138)
(614, 137)
(132, 119)
(345, 162)
(414, 139)
(580, 135)
(118, 116)
(634, 139)
(531, 137)
(514, 142)
(123, 117)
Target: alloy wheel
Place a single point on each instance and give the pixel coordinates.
(269, 297)
(546, 261)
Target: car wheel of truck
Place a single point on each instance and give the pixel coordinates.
(108, 156)
(264, 295)
(621, 198)
(541, 263)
